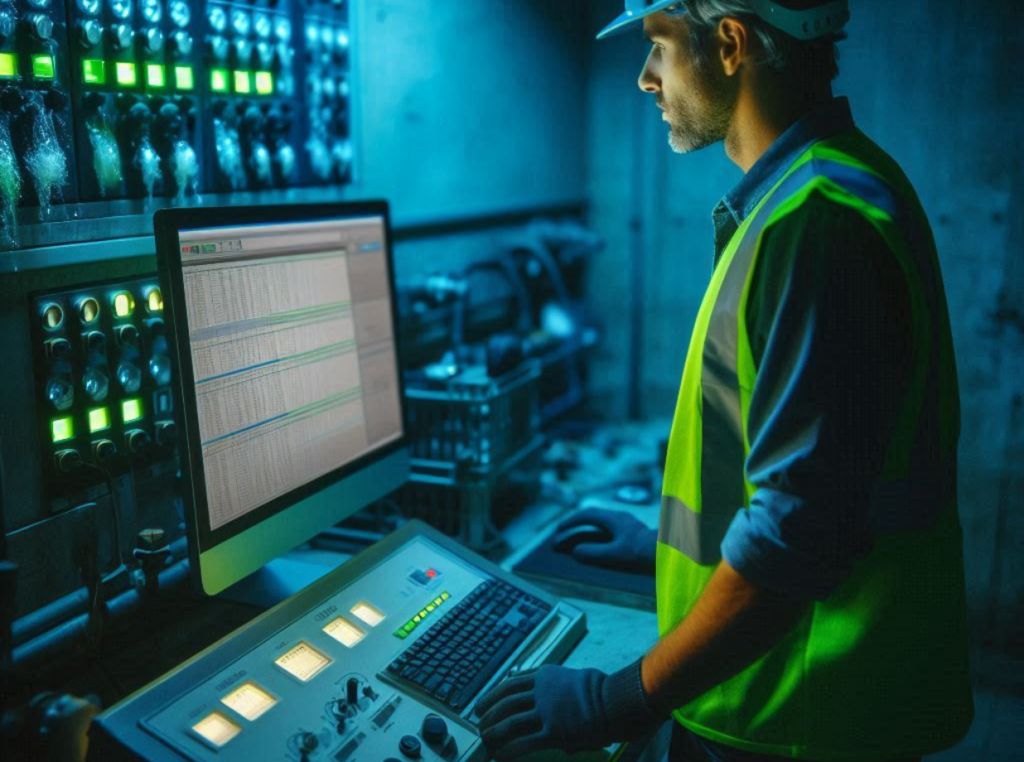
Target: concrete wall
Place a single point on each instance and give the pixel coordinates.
(934, 85)
(467, 108)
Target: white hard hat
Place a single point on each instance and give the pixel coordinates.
(804, 23)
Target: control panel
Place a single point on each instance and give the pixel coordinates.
(103, 374)
(313, 678)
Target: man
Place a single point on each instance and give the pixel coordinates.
(809, 562)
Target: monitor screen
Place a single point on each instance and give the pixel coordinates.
(285, 331)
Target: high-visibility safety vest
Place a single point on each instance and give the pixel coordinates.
(879, 669)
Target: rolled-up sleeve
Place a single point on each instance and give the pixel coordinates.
(829, 324)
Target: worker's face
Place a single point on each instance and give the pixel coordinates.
(697, 101)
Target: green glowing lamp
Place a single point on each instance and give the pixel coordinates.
(183, 78)
(99, 419)
(131, 410)
(243, 82)
(126, 74)
(8, 65)
(155, 76)
(264, 83)
(219, 80)
(42, 66)
(94, 71)
(62, 429)
(124, 305)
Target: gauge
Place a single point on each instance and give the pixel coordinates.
(129, 376)
(283, 28)
(181, 14)
(152, 10)
(53, 317)
(121, 9)
(241, 21)
(303, 661)
(249, 700)
(96, 383)
(263, 26)
(61, 392)
(218, 19)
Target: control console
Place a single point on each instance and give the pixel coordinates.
(370, 663)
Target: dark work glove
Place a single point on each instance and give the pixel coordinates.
(632, 548)
(562, 708)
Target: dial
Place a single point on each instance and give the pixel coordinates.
(218, 19)
(96, 384)
(241, 21)
(263, 26)
(152, 10)
(121, 9)
(181, 14)
(61, 392)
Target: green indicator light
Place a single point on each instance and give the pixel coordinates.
(94, 71)
(401, 634)
(264, 83)
(62, 429)
(183, 78)
(131, 410)
(155, 76)
(219, 80)
(124, 305)
(99, 419)
(243, 82)
(42, 66)
(8, 65)
(126, 75)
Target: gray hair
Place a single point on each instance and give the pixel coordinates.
(812, 62)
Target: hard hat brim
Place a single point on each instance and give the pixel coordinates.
(624, 20)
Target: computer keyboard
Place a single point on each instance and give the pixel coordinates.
(456, 657)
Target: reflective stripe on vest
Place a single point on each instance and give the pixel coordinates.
(698, 531)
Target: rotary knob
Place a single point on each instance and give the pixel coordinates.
(243, 52)
(121, 37)
(127, 334)
(6, 26)
(219, 47)
(67, 460)
(182, 43)
(90, 33)
(410, 747)
(136, 439)
(153, 42)
(40, 25)
(434, 730)
(166, 433)
(104, 449)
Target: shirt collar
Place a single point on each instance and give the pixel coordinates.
(822, 123)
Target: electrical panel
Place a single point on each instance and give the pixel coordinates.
(103, 372)
(106, 100)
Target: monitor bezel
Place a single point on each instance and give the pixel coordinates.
(168, 223)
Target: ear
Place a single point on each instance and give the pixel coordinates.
(733, 43)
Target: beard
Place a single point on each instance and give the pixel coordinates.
(701, 116)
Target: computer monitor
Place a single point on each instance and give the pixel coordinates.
(290, 397)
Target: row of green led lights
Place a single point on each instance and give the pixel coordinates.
(126, 74)
(63, 429)
(412, 624)
(43, 66)
(245, 82)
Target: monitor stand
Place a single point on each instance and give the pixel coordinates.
(283, 577)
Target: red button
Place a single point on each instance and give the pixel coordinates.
(431, 573)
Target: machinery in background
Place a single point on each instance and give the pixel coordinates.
(490, 366)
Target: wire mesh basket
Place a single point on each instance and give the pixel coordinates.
(476, 421)
(470, 442)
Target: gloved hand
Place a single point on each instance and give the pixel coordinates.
(632, 548)
(562, 708)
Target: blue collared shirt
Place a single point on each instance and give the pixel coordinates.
(824, 316)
